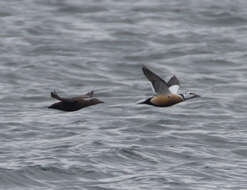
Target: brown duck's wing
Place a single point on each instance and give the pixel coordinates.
(76, 98)
(87, 95)
(90, 94)
(159, 85)
(174, 84)
(55, 95)
(65, 100)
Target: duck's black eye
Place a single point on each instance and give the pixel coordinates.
(182, 95)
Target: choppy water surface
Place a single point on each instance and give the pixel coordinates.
(77, 46)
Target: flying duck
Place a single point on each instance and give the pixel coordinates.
(75, 103)
(166, 93)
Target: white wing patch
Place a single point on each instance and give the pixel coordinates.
(174, 89)
(154, 92)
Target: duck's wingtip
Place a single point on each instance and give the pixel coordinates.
(53, 93)
(90, 94)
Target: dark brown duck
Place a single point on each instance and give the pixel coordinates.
(75, 103)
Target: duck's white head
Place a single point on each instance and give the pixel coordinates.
(189, 95)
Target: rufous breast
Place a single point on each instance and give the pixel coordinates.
(166, 100)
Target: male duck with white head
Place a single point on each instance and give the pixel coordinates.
(166, 93)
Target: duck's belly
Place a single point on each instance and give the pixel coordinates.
(166, 100)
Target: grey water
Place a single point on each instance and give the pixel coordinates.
(75, 46)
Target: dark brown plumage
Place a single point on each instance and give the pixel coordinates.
(75, 103)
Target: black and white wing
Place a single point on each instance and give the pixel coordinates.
(158, 84)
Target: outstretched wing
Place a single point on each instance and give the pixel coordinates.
(87, 95)
(55, 95)
(65, 100)
(174, 84)
(159, 85)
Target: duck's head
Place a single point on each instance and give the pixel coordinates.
(189, 95)
(94, 101)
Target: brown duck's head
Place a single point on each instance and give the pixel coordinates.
(94, 101)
